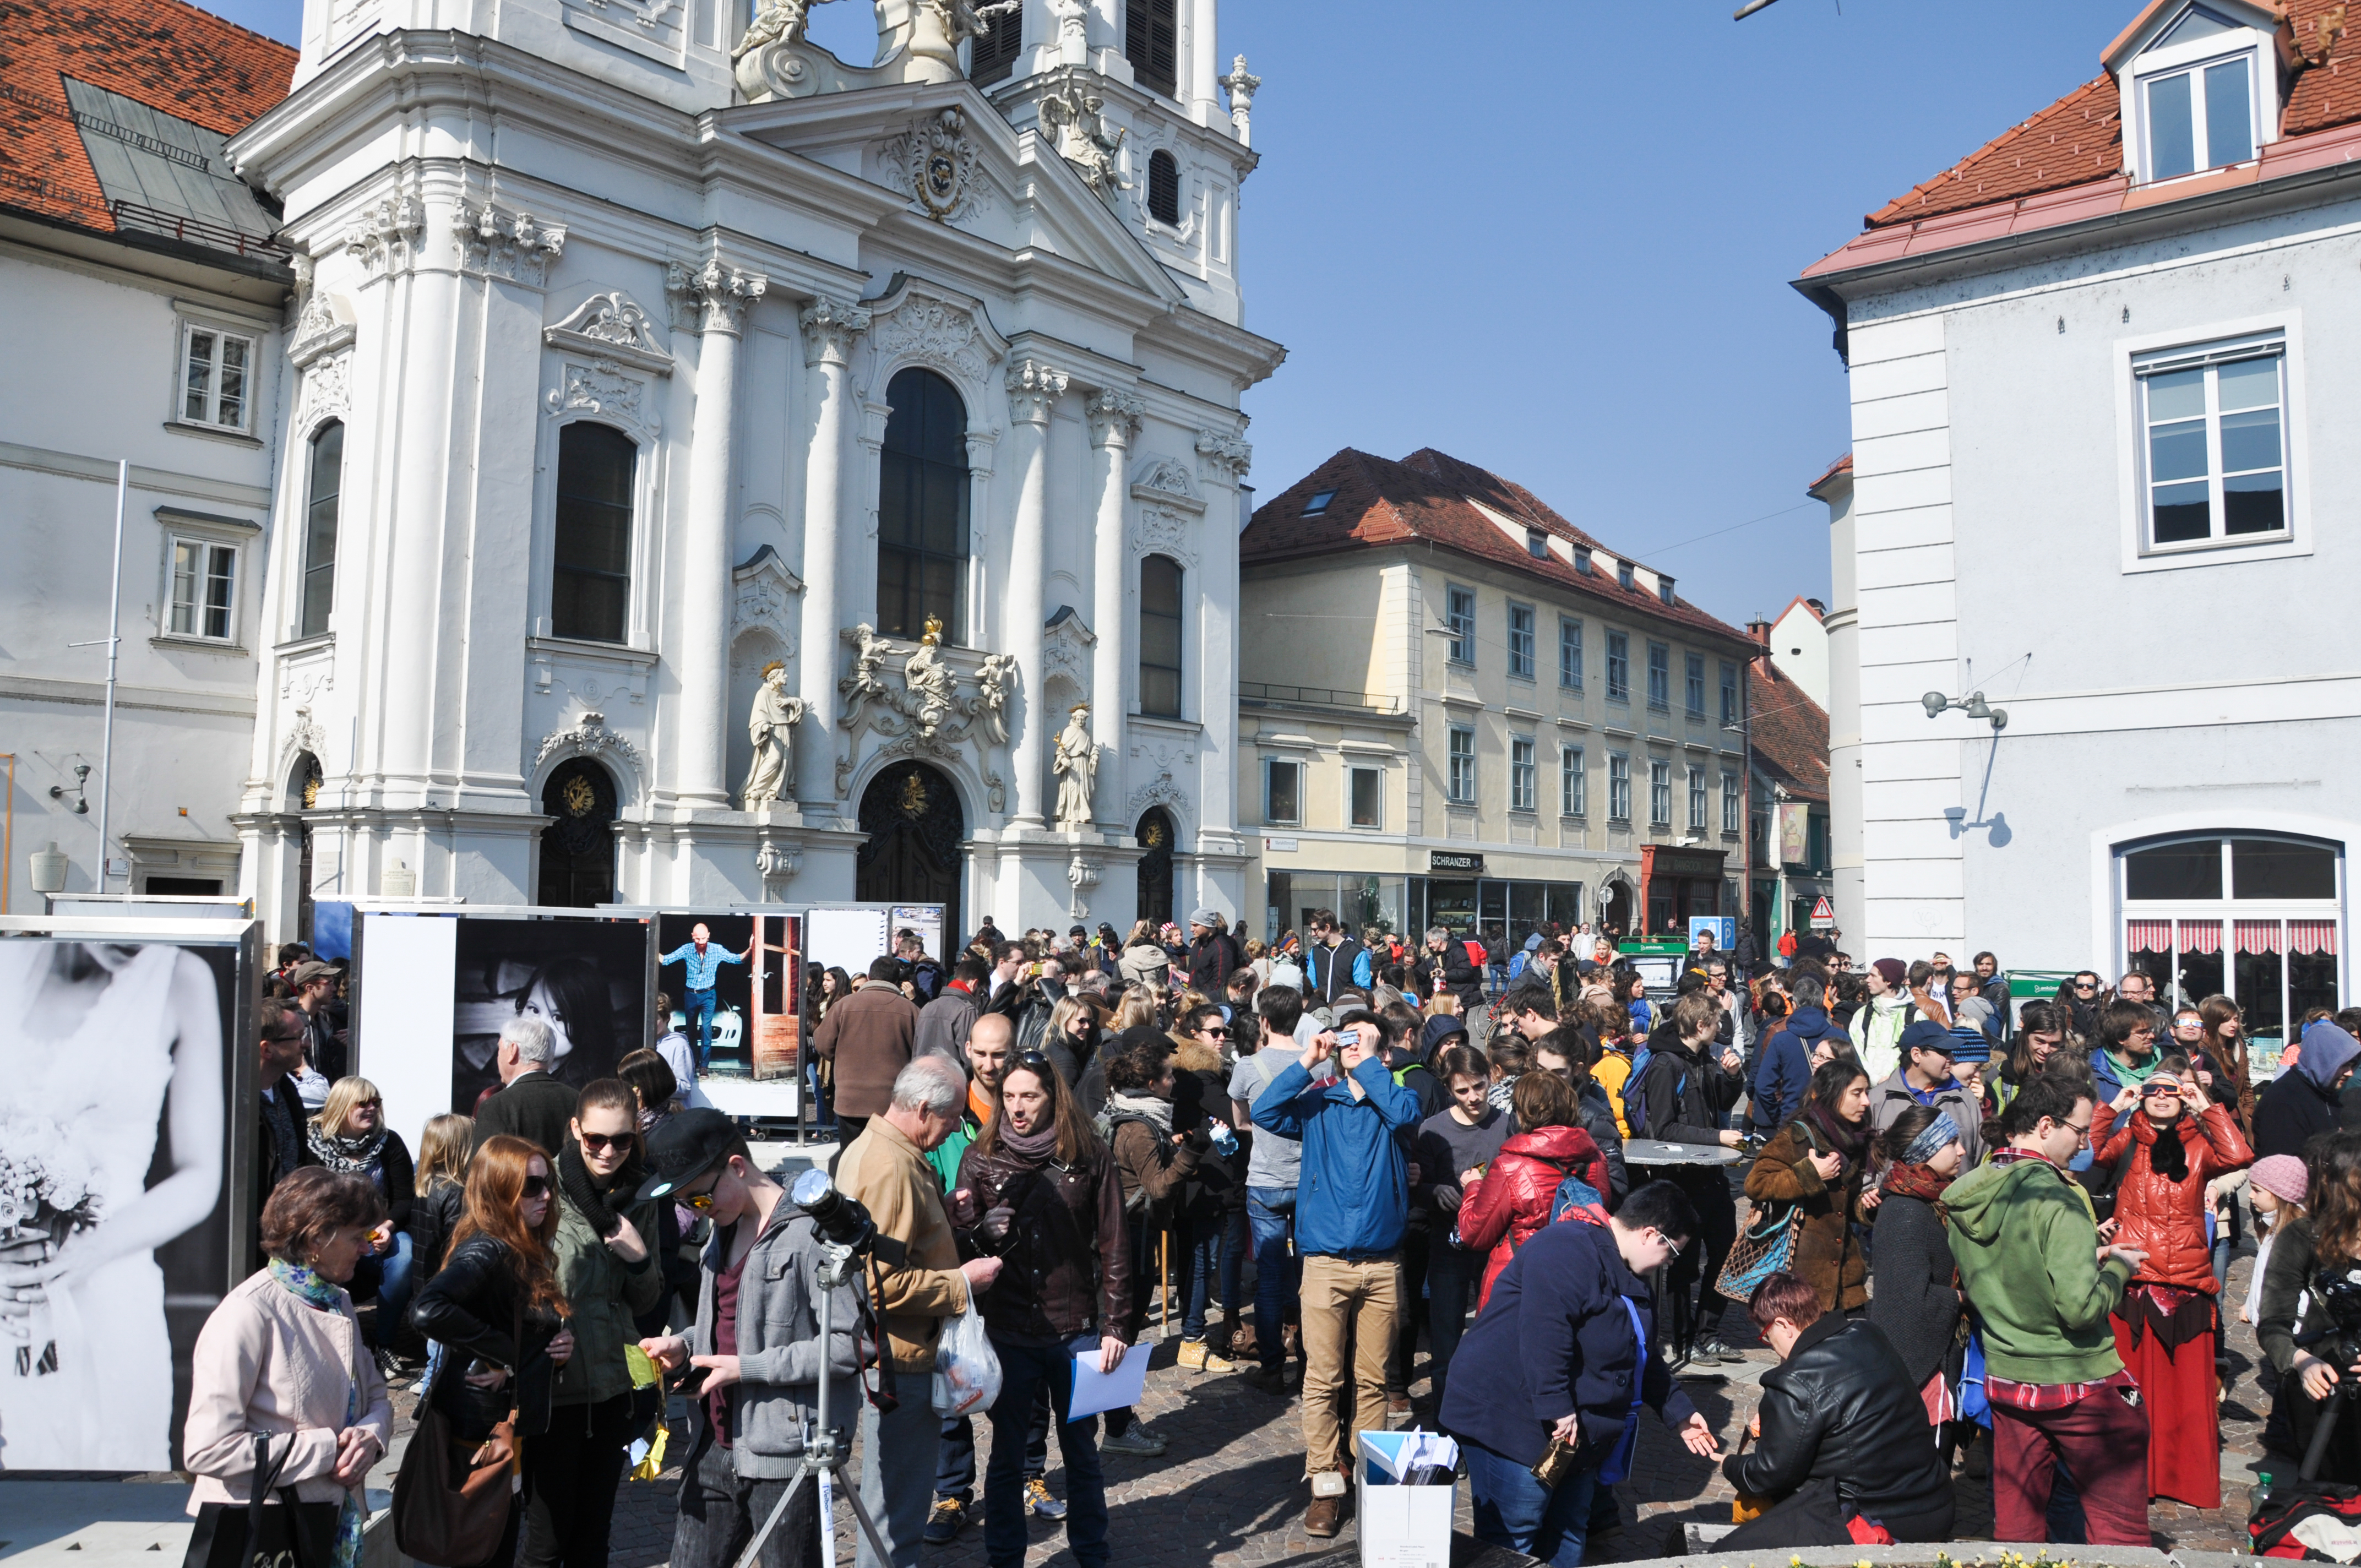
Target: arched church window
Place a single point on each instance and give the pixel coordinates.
(320, 508)
(1160, 637)
(1164, 188)
(993, 54)
(922, 509)
(590, 579)
(1151, 36)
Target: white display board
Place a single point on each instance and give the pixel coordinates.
(926, 920)
(408, 965)
(849, 938)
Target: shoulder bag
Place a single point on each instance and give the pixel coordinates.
(251, 1535)
(1767, 1246)
(450, 1499)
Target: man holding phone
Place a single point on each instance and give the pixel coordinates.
(1351, 1209)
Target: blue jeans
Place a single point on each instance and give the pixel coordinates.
(1200, 1245)
(1515, 1510)
(955, 1459)
(390, 1275)
(1270, 1215)
(1453, 1275)
(1025, 1371)
(699, 1014)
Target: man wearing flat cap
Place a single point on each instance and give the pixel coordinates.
(314, 985)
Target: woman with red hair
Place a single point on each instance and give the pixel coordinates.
(1502, 1209)
(499, 1278)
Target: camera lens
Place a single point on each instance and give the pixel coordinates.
(836, 1217)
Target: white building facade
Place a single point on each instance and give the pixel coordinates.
(2095, 478)
(716, 480)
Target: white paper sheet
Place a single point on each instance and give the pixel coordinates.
(1095, 1391)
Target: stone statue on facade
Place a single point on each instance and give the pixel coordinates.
(991, 700)
(1076, 764)
(933, 689)
(771, 725)
(780, 21)
(1086, 141)
(863, 685)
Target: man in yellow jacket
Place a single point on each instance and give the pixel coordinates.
(885, 1170)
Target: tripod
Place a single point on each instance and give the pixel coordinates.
(823, 1454)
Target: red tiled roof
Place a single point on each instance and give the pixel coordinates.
(1428, 496)
(168, 55)
(1789, 730)
(2078, 141)
(1841, 465)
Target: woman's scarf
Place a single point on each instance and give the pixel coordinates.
(1148, 1107)
(1904, 1178)
(1033, 1147)
(350, 1157)
(2167, 1156)
(1850, 1139)
(588, 1191)
(314, 1291)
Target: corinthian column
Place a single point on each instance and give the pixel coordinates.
(711, 299)
(1114, 420)
(1033, 390)
(830, 328)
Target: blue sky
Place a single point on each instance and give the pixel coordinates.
(1560, 247)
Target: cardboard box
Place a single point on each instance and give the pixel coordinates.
(1399, 1527)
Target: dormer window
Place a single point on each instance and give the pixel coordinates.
(1623, 575)
(1537, 544)
(1664, 588)
(1318, 504)
(1582, 559)
(2199, 92)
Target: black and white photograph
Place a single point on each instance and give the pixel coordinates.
(119, 1075)
(588, 979)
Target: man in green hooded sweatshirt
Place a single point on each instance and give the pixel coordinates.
(2035, 1271)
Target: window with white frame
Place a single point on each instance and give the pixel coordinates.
(1573, 787)
(204, 589)
(1365, 797)
(214, 367)
(1282, 790)
(2215, 443)
(1728, 695)
(322, 504)
(2254, 917)
(1660, 793)
(1618, 786)
(1660, 677)
(1459, 614)
(1693, 684)
(1732, 802)
(1569, 652)
(1460, 785)
(1696, 800)
(1520, 641)
(1619, 668)
(2196, 97)
(1523, 784)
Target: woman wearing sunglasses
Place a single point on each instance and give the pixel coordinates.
(349, 1137)
(501, 1265)
(2161, 1142)
(601, 1250)
(1043, 1194)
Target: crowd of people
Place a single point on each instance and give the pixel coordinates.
(1974, 1233)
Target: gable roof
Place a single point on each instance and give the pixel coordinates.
(2078, 141)
(1789, 731)
(1434, 496)
(191, 67)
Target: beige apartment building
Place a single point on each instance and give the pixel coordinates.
(1456, 708)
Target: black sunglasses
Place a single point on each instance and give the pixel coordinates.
(1033, 1058)
(599, 1143)
(536, 1187)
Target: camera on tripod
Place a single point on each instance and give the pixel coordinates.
(2337, 1298)
(841, 1221)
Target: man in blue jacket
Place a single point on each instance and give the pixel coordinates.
(1352, 1203)
(1783, 1069)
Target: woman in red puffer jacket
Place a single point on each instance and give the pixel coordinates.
(2168, 1327)
(1502, 1211)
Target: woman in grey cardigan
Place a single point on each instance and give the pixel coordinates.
(1915, 1296)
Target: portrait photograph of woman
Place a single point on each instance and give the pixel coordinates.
(586, 978)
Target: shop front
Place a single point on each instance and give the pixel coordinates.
(1677, 883)
(1456, 895)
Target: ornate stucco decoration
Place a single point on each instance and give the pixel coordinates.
(1034, 389)
(1066, 646)
(1087, 140)
(385, 238)
(1158, 481)
(327, 390)
(758, 600)
(922, 323)
(1227, 459)
(918, 40)
(711, 295)
(591, 738)
(935, 163)
(303, 676)
(1082, 873)
(1241, 84)
(830, 327)
(1158, 791)
(606, 389)
(613, 326)
(304, 735)
(515, 247)
(776, 864)
(323, 323)
(938, 709)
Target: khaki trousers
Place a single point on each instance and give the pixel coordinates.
(1348, 1306)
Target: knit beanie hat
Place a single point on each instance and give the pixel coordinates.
(2280, 1175)
(1894, 971)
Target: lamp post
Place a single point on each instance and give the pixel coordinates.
(1974, 706)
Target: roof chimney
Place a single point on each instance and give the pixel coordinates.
(1760, 630)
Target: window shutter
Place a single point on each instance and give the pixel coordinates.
(1164, 188)
(994, 55)
(1152, 37)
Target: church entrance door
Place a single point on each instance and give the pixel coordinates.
(577, 848)
(917, 834)
(1155, 836)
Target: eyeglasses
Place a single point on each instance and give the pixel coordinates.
(536, 1187)
(372, 1103)
(2079, 985)
(599, 1143)
(700, 1202)
(2082, 1131)
(2155, 1091)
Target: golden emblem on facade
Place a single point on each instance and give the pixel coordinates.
(579, 798)
(914, 796)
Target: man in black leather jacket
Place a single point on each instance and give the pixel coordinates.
(1844, 1444)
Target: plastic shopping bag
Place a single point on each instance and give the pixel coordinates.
(967, 1369)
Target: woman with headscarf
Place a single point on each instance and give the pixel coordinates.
(1918, 1301)
(2162, 1148)
(1818, 1161)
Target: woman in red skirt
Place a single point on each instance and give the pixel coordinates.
(2161, 1155)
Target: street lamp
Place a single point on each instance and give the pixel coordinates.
(1974, 706)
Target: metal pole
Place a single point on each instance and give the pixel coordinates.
(114, 652)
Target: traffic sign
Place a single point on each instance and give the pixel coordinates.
(1824, 915)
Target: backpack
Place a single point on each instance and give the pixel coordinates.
(1135, 1202)
(1517, 965)
(2276, 1519)
(1574, 1200)
(1635, 1104)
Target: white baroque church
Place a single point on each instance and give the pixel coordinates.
(718, 473)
